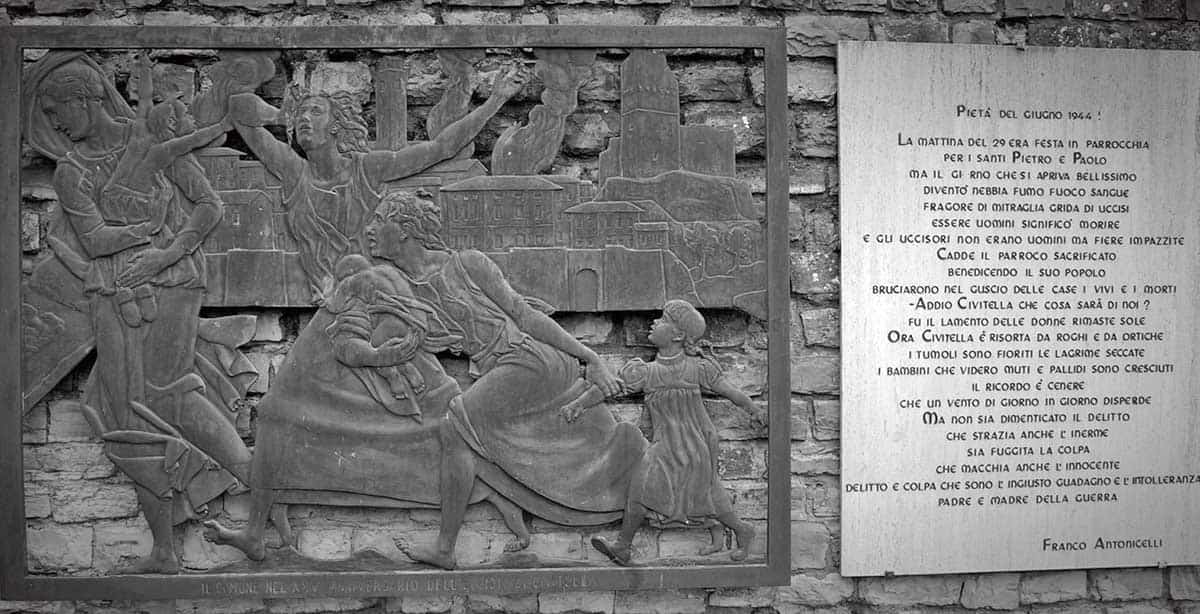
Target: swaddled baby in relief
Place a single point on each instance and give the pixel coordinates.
(379, 329)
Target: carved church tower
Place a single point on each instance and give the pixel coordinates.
(649, 116)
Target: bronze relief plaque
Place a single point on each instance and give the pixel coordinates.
(404, 220)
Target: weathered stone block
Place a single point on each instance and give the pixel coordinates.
(1012, 33)
(486, 3)
(726, 329)
(224, 606)
(816, 372)
(31, 231)
(1106, 9)
(808, 81)
(427, 604)
(587, 327)
(749, 497)
(262, 364)
(801, 412)
(713, 82)
(67, 423)
(121, 543)
(35, 424)
(815, 273)
(587, 133)
(746, 372)
(855, 6)
(1184, 583)
(1167, 35)
(817, 590)
(804, 463)
(810, 545)
(1191, 8)
(973, 33)
(969, 6)
(376, 540)
(604, 84)
(61, 7)
(267, 327)
(680, 543)
(592, 602)
(1080, 34)
(818, 35)
(911, 30)
(690, 16)
(1035, 8)
(822, 326)
(742, 460)
(915, 6)
(565, 545)
(827, 419)
(352, 77)
(820, 496)
(816, 131)
(327, 544)
(601, 17)
(79, 501)
(747, 125)
(176, 18)
(37, 607)
(734, 423)
(753, 597)
(1127, 584)
(911, 590)
(57, 548)
(68, 461)
(658, 602)
(502, 604)
(1144, 608)
(37, 500)
(998, 591)
(1053, 586)
(254, 6)
(316, 605)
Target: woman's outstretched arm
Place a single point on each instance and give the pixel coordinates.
(490, 279)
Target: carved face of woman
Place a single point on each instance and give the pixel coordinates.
(314, 123)
(384, 238)
(71, 117)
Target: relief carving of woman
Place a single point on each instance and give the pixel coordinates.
(331, 191)
(506, 428)
(143, 274)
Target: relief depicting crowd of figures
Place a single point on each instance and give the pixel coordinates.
(408, 251)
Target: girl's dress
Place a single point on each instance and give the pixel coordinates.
(678, 480)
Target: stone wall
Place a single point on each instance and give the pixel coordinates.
(83, 515)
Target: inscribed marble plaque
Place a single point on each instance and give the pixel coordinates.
(1019, 233)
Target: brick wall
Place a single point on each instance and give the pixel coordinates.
(83, 515)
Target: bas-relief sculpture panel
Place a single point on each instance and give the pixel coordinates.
(410, 253)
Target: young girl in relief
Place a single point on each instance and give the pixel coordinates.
(677, 484)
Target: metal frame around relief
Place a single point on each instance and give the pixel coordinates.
(16, 582)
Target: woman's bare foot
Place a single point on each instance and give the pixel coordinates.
(217, 534)
(155, 563)
(423, 554)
